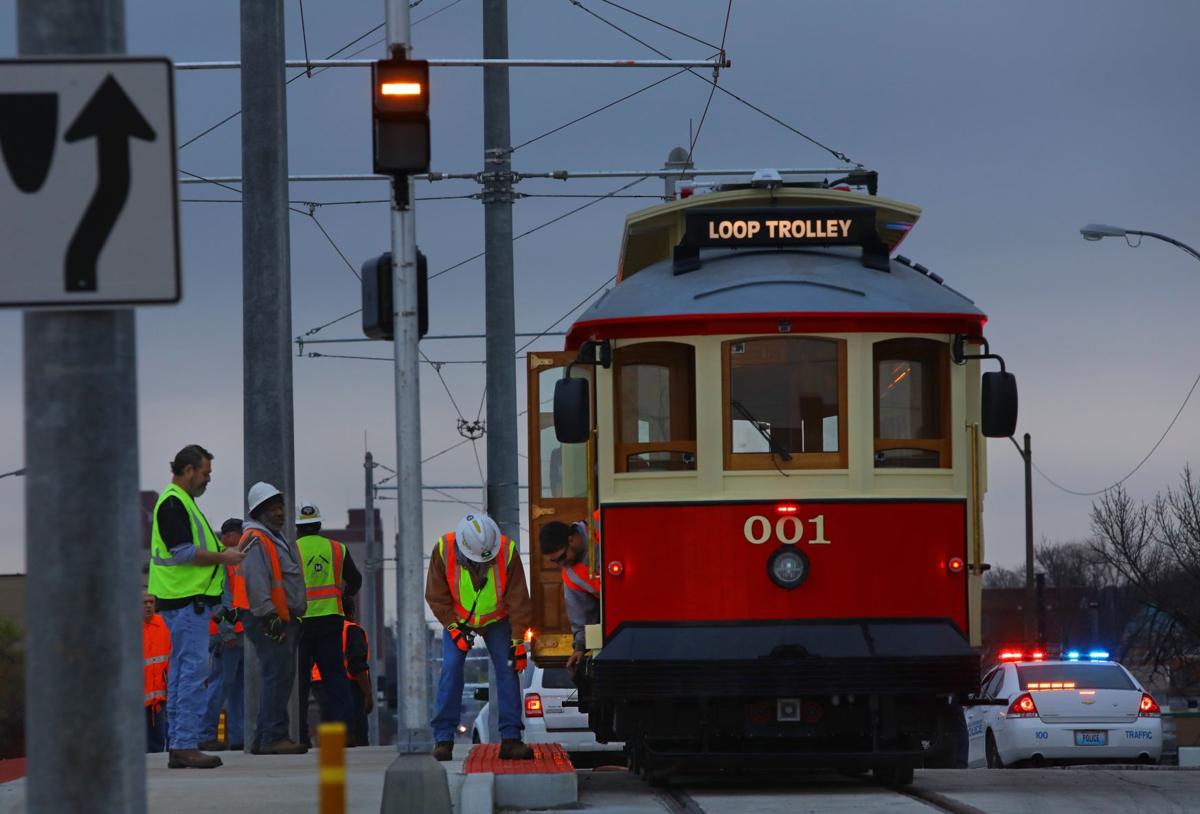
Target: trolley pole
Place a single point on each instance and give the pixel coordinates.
(268, 429)
(83, 680)
(367, 614)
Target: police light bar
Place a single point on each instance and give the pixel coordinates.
(1013, 654)
(1091, 655)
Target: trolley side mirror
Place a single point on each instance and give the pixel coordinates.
(999, 404)
(572, 415)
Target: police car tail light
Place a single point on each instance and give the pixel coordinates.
(1023, 707)
(533, 705)
(1149, 707)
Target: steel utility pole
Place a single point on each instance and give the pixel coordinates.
(267, 429)
(1031, 626)
(367, 614)
(80, 419)
(503, 499)
(414, 735)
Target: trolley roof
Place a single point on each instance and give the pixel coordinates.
(672, 284)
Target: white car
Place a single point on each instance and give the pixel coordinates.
(547, 719)
(1070, 710)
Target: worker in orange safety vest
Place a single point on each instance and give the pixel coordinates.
(357, 662)
(566, 546)
(226, 675)
(276, 594)
(156, 661)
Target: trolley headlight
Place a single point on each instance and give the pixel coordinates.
(788, 568)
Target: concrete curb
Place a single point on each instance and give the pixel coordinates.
(476, 795)
(542, 790)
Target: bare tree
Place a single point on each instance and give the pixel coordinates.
(1154, 548)
(1004, 578)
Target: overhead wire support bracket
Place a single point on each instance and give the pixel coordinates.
(715, 64)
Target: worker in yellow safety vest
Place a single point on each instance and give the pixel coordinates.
(476, 586)
(330, 575)
(187, 577)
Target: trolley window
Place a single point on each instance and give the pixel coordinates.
(785, 398)
(654, 394)
(912, 404)
(563, 468)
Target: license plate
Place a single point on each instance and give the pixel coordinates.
(1091, 737)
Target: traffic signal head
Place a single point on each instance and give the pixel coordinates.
(400, 109)
(378, 311)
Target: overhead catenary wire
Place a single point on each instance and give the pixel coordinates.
(1140, 463)
(550, 222)
(664, 25)
(835, 153)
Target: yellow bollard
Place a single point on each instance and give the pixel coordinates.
(221, 727)
(332, 767)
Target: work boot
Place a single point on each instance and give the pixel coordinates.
(513, 749)
(191, 759)
(281, 747)
(443, 750)
(213, 745)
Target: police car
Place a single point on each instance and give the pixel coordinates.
(551, 712)
(1081, 708)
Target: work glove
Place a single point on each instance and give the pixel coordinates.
(276, 628)
(517, 656)
(463, 637)
(227, 616)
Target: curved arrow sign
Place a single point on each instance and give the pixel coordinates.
(112, 119)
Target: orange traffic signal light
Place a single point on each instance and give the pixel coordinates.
(400, 105)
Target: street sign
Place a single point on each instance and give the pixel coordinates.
(88, 205)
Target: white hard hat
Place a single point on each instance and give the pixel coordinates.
(307, 513)
(259, 494)
(478, 537)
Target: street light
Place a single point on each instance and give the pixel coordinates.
(1095, 231)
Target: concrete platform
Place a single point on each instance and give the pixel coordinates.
(546, 781)
(247, 783)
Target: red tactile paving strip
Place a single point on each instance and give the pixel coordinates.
(12, 770)
(548, 758)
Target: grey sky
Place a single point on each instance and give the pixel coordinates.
(1012, 124)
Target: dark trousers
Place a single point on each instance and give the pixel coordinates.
(156, 728)
(321, 642)
(277, 665)
(359, 728)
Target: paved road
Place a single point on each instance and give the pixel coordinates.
(978, 791)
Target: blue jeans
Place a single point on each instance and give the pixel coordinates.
(156, 728)
(225, 689)
(277, 664)
(185, 679)
(448, 707)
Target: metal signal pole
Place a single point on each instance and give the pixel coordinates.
(85, 727)
(367, 614)
(414, 735)
(503, 497)
(268, 428)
